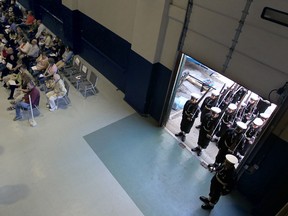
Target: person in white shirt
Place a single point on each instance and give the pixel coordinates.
(41, 28)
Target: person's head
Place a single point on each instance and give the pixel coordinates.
(264, 116)
(215, 111)
(51, 61)
(214, 94)
(56, 77)
(10, 50)
(23, 68)
(257, 123)
(231, 108)
(30, 85)
(24, 40)
(34, 42)
(194, 97)
(39, 22)
(254, 98)
(240, 127)
(230, 160)
(43, 54)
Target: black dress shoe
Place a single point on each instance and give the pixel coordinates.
(204, 199)
(10, 98)
(179, 134)
(207, 206)
(183, 138)
(196, 149)
(198, 126)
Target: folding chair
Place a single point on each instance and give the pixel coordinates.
(74, 68)
(65, 98)
(89, 85)
(78, 78)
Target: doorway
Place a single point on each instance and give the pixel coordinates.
(195, 77)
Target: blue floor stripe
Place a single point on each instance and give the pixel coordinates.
(159, 176)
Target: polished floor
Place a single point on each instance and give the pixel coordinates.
(97, 157)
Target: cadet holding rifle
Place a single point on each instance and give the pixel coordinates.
(207, 127)
(190, 113)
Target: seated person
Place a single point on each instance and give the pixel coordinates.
(24, 48)
(66, 58)
(22, 78)
(13, 73)
(24, 104)
(32, 54)
(10, 63)
(41, 64)
(49, 72)
(58, 91)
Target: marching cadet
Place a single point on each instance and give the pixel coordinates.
(251, 107)
(264, 117)
(190, 113)
(229, 143)
(207, 127)
(226, 121)
(251, 134)
(207, 104)
(222, 182)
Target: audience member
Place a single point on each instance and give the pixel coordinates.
(58, 91)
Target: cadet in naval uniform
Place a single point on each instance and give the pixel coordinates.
(190, 113)
(207, 127)
(221, 183)
(207, 104)
(250, 135)
(230, 143)
(226, 121)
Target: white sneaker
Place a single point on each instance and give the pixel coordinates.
(53, 109)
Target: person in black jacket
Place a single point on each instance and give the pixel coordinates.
(230, 143)
(190, 113)
(208, 125)
(222, 182)
(207, 104)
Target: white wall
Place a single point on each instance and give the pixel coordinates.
(259, 61)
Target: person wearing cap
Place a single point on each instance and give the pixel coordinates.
(207, 104)
(251, 108)
(207, 127)
(251, 133)
(58, 91)
(190, 113)
(231, 141)
(222, 182)
(226, 121)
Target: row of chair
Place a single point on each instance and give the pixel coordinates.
(81, 77)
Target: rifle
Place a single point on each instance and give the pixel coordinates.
(238, 107)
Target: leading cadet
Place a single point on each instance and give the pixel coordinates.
(190, 113)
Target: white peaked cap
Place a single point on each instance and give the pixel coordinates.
(215, 92)
(254, 96)
(216, 109)
(196, 96)
(242, 125)
(231, 159)
(258, 121)
(264, 115)
(232, 106)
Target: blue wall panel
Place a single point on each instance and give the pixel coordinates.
(159, 84)
(138, 83)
